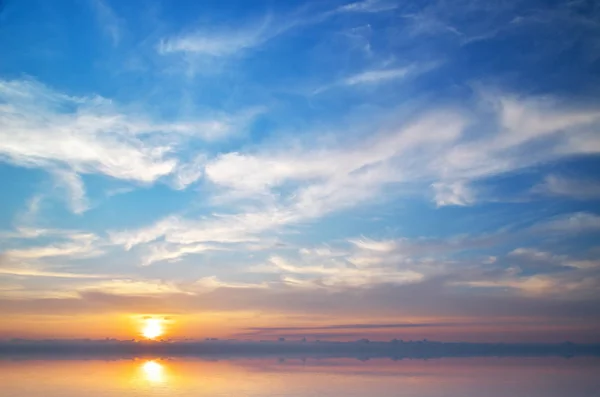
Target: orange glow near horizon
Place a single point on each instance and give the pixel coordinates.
(153, 328)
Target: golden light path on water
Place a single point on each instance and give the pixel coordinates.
(154, 372)
(299, 377)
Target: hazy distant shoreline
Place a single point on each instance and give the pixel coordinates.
(359, 349)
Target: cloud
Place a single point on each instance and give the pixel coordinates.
(172, 252)
(330, 180)
(189, 173)
(367, 6)
(225, 43)
(236, 228)
(373, 245)
(42, 128)
(53, 274)
(79, 245)
(38, 129)
(430, 299)
(376, 76)
(108, 20)
(325, 166)
(552, 127)
(430, 149)
(220, 43)
(211, 283)
(578, 222)
(573, 188)
(309, 273)
(539, 285)
(130, 287)
(530, 271)
(73, 136)
(454, 193)
(354, 326)
(32, 232)
(444, 156)
(75, 190)
(527, 119)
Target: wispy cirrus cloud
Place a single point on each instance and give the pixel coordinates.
(39, 129)
(224, 43)
(28, 272)
(110, 23)
(337, 274)
(132, 287)
(569, 187)
(80, 245)
(220, 43)
(376, 76)
(431, 150)
(368, 6)
(74, 188)
(71, 136)
(579, 222)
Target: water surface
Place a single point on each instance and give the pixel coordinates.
(270, 377)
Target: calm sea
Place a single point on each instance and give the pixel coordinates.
(468, 377)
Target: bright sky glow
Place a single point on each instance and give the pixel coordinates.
(152, 328)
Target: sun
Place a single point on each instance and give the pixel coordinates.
(152, 328)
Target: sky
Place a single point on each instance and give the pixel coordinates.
(323, 169)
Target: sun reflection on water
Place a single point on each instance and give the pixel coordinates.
(154, 371)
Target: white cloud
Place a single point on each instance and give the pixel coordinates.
(237, 228)
(171, 252)
(213, 42)
(29, 272)
(336, 274)
(133, 287)
(454, 193)
(529, 131)
(73, 136)
(43, 128)
(374, 245)
(329, 180)
(304, 182)
(373, 77)
(368, 6)
(574, 188)
(79, 245)
(75, 190)
(531, 253)
(203, 43)
(32, 232)
(212, 282)
(578, 222)
(572, 285)
(527, 119)
(377, 76)
(189, 172)
(248, 172)
(40, 127)
(222, 43)
(108, 20)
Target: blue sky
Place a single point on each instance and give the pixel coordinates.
(298, 162)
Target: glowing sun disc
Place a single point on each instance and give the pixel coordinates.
(152, 329)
